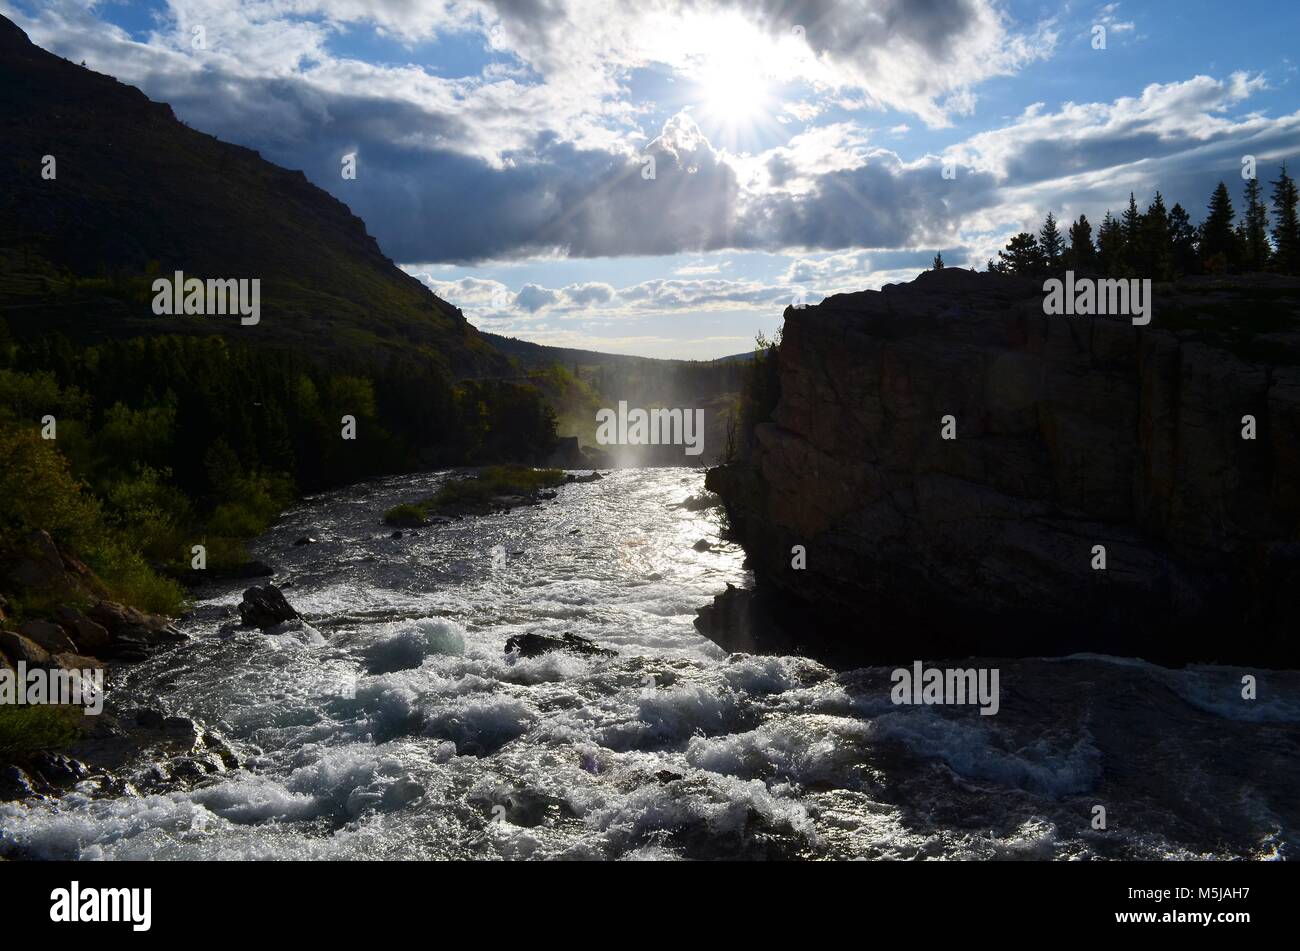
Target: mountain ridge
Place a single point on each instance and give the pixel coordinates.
(137, 194)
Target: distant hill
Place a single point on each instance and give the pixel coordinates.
(138, 194)
(531, 354)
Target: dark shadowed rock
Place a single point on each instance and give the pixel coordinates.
(567, 454)
(15, 784)
(699, 503)
(89, 636)
(44, 570)
(253, 569)
(1071, 432)
(48, 635)
(18, 648)
(534, 645)
(265, 607)
(133, 633)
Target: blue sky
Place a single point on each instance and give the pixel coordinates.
(503, 146)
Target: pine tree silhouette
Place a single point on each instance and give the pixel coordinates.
(1051, 245)
(1110, 246)
(1218, 240)
(1131, 225)
(1082, 255)
(1182, 241)
(1253, 236)
(1156, 257)
(1022, 256)
(1286, 230)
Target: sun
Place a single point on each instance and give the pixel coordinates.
(733, 82)
(735, 91)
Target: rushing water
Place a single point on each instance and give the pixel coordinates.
(393, 724)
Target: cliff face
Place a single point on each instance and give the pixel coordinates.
(1071, 432)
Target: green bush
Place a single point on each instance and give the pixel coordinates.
(496, 480)
(406, 515)
(37, 491)
(30, 729)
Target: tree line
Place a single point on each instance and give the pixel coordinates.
(1163, 244)
(163, 442)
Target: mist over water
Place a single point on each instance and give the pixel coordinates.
(391, 724)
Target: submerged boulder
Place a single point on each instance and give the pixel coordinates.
(265, 607)
(534, 645)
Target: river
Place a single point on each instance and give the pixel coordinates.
(392, 723)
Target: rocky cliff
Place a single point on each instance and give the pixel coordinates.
(1070, 433)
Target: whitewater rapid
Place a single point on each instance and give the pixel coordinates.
(392, 724)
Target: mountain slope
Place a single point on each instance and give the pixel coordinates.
(139, 195)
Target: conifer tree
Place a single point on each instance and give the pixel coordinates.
(1110, 246)
(1156, 247)
(1050, 243)
(1255, 250)
(1182, 240)
(1082, 255)
(1218, 240)
(1286, 229)
(938, 262)
(1022, 256)
(1131, 223)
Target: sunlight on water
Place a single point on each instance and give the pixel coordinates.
(392, 724)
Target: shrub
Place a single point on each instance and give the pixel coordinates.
(30, 729)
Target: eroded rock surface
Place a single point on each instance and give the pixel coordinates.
(1071, 432)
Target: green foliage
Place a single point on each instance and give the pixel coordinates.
(37, 490)
(494, 481)
(32, 729)
(476, 491)
(193, 441)
(406, 514)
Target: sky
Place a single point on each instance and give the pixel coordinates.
(664, 177)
